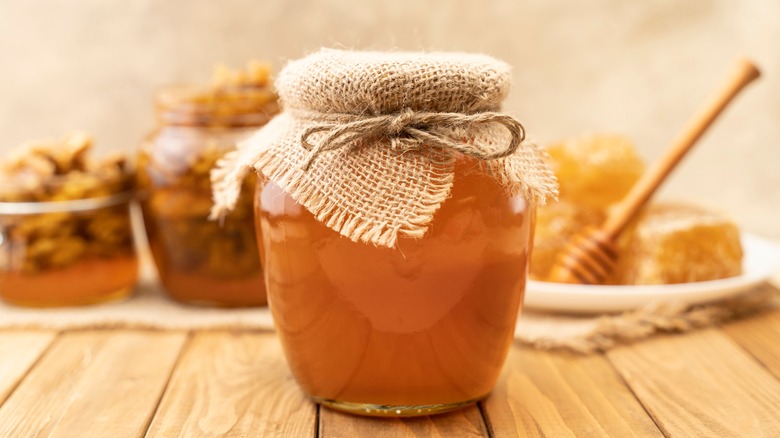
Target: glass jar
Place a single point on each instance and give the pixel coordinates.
(413, 330)
(201, 261)
(72, 250)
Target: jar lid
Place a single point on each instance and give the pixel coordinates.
(386, 82)
(367, 141)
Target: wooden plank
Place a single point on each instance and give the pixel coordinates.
(465, 422)
(760, 336)
(551, 394)
(233, 385)
(701, 384)
(93, 384)
(18, 352)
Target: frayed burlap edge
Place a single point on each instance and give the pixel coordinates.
(590, 334)
(512, 173)
(350, 224)
(276, 153)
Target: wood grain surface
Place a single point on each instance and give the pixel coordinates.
(546, 394)
(18, 351)
(93, 384)
(760, 336)
(701, 384)
(125, 383)
(233, 385)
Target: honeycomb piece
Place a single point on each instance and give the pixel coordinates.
(556, 223)
(596, 170)
(678, 243)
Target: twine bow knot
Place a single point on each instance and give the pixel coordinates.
(408, 130)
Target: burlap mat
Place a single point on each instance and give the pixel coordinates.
(150, 309)
(587, 334)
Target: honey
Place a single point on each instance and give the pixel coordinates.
(199, 261)
(556, 224)
(426, 325)
(87, 281)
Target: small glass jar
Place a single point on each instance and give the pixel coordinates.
(75, 249)
(413, 330)
(200, 261)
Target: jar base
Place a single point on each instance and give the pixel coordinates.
(116, 295)
(217, 304)
(374, 410)
(202, 290)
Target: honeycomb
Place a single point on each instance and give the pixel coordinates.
(678, 243)
(595, 170)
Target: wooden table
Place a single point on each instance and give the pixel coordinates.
(131, 383)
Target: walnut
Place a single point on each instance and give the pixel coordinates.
(63, 170)
(257, 74)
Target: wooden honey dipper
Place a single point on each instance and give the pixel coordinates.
(591, 255)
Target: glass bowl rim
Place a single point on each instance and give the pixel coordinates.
(75, 205)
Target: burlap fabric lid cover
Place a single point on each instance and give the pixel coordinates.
(367, 141)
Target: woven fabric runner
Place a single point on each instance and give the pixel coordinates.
(150, 309)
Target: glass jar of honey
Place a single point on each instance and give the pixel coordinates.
(65, 232)
(200, 261)
(395, 216)
(420, 328)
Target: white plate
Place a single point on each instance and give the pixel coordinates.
(761, 262)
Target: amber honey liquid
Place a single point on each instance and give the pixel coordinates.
(426, 324)
(200, 261)
(88, 281)
(186, 275)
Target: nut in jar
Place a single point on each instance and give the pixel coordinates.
(65, 233)
(199, 261)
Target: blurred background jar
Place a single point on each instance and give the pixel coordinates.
(65, 233)
(200, 261)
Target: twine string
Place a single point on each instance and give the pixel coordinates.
(406, 131)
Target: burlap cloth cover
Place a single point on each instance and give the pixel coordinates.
(367, 141)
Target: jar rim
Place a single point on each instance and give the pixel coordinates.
(30, 188)
(74, 205)
(193, 104)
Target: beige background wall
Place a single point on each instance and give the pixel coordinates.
(634, 67)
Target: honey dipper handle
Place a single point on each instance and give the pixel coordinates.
(744, 73)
